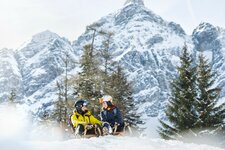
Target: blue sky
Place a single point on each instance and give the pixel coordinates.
(20, 19)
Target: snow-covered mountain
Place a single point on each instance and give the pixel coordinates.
(42, 64)
(42, 60)
(10, 77)
(145, 44)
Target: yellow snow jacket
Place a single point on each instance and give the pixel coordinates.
(85, 119)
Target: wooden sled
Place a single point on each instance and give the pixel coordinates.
(126, 130)
(97, 132)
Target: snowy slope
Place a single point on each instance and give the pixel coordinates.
(113, 143)
(18, 133)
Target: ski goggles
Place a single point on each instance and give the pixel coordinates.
(85, 104)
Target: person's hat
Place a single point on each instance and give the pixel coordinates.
(81, 103)
(106, 98)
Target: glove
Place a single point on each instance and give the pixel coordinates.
(116, 124)
(89, 126)
(105, 124)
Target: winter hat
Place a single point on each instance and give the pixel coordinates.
(81, 103)
(106, 98)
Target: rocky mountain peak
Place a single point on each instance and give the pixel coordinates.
(45, 36)
(134, 2)
(204, 37)
(37, 43)
(5, 50)
(135, 10)
(204, 26)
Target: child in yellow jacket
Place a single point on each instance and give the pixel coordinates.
(83, 119)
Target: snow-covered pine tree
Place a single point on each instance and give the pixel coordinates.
(99, 76)
(65, 94)
(66, 86)
(12, 98)
(63, 105)
(121, 91)
(60, 113)
(57, 115)
(88, 83)
(211, 114)
(180, 111)
(106, 58)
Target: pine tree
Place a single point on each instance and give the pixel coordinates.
(59, 115)
(89, 65)
(60, 112)
(62, 106)
(211, 115)
(12, 98)
(65, 86)
(89, 80)
(107, 61)
(88, 84)
(180, 111)
(99, 77)
(66, 61)
(121, 91)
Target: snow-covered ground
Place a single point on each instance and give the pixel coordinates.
(103, 143)
(16, 134)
